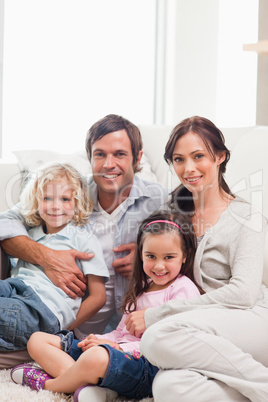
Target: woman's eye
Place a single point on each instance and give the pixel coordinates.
(169, 257)
(151, 256)
(47, 198)
(199, 156)
(177, 159)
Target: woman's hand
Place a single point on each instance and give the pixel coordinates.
(135, 323)
(92, 340)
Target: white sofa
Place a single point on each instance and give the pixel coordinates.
(247, 172)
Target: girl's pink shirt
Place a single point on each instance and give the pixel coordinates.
(181, 288)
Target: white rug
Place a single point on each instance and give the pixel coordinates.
(10, 392)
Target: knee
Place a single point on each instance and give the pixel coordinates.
(34, 342)
(153, 343)
(95, 359)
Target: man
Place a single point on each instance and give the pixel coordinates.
(121, 201)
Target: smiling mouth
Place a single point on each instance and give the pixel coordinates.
(192, 179)
(110, 176)
(162, 274)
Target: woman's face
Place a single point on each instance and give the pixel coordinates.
(194, 165)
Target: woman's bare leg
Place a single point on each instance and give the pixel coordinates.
(91, 365)
(46, 350)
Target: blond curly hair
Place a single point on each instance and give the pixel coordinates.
(34, 190)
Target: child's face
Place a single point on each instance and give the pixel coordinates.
(57, 205)
(162, 258)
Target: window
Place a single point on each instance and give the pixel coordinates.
(68, 63)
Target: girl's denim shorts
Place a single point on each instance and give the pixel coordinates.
(130, 376)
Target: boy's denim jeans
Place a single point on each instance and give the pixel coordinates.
(22, 312)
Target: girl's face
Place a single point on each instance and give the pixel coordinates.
(162, 258)
(193, 164)
(56, 207)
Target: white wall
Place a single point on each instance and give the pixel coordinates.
(192, 59)
(207, 72)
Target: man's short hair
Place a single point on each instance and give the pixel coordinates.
(110, 124)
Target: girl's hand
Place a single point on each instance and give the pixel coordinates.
(135, 323)
(92, 340)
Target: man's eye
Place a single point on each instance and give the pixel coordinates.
(98, 154)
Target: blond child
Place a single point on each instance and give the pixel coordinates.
(55, 202)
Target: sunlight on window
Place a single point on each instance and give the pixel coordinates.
(68, 63)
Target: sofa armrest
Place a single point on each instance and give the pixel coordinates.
(4, 265)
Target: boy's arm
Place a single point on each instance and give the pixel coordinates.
(93, 303)
(60, 266)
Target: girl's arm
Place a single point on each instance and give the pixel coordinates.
(93, 303)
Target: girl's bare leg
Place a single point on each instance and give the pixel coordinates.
(90, 366)
(46, 350)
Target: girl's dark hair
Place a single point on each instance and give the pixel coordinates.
(139, 281)
(215, 143)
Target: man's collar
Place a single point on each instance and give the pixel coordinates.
(138, 189)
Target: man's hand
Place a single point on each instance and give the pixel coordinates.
(61, 268)
(92, 340)
(135, 323)
(123, 266)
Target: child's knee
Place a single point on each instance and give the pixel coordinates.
(96, 358)
(34, 341)
(39, 340)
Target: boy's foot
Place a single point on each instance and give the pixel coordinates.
(94, 393)
(30, 375)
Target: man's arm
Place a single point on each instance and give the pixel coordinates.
(12, 223)
(59, 265)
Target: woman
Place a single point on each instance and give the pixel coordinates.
(213, 347)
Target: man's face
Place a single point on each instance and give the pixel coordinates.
(112, 164)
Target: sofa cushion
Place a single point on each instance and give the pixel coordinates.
(247, 170)
(31, 160)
